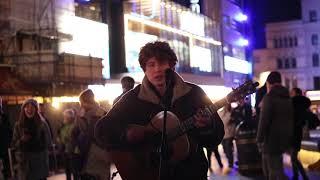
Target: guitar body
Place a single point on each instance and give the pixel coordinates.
(142, 163)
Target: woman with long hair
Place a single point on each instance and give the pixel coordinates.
(31, 141)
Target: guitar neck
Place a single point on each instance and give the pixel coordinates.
(188, 124)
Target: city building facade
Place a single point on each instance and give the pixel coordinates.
(293, 48)
(233, 21)
(50, 49)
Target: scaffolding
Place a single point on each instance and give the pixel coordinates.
(29, 39)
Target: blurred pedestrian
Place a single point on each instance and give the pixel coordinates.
(127, 84)
(229, 133)
(216, 154)
(275, 129)
(5, 139)
(65, 143)
(52, 146)
(259, 96)
(301, 106)
(95, 161)
(31, 141)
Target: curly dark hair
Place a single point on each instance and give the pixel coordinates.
(160, 50)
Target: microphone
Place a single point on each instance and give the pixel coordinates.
(167, 97)
(169, 75)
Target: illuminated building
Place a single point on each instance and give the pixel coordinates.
(293, 49)
(234, 32)
(53, 51)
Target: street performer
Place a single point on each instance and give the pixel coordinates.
(131, 127)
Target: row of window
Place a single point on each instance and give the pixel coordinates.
(285, 42)
(316, 83)
(287, 63)
(293, 41)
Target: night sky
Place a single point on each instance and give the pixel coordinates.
(264, 11)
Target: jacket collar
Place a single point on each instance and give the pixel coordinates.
(180, 89)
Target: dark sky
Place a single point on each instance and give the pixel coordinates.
(264, 11)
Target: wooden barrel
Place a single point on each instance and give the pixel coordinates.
(249, 158)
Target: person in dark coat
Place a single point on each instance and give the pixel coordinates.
(275, 129)
(301, 106)
(259, 96)
(95, 162)
(5, 139)
(144, 104)
(127, 84)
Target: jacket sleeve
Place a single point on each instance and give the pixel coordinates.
(110, 130)
(16, 138)
(264, 119)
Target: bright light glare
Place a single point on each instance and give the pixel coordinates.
(170, 29)
(192, 23)
(216, 93)
(241, 17)
(243, 42)
(134, 41)
(106, 93)
(313, 95)
(89, 38)
(204, 63)
(237, 65)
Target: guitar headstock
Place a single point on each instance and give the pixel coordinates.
(242, 91)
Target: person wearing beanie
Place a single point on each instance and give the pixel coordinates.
(31, 141)
(95, 161)
(275, 129)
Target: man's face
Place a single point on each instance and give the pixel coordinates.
(155, 72)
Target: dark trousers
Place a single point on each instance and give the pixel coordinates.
(71, 168)
(297, 166)
(6, 166)
(272, 166)
(228, 150)
(216, 154)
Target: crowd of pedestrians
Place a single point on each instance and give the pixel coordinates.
(280, 117)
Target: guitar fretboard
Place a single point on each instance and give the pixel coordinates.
(188, 124)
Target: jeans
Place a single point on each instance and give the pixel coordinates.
(228, 150)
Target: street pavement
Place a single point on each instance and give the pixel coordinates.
(220, 174)
(217, 174)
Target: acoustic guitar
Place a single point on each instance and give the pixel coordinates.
(141, 163)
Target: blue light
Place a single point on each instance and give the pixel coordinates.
(84, 1)
(241, 17)
(243, 42)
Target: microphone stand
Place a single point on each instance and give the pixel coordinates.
(164, 154)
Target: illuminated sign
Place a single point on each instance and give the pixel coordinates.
(89, 38)
(192, 23)
(237, 65)
(201, 57)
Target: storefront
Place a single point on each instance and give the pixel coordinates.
(193, 37)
